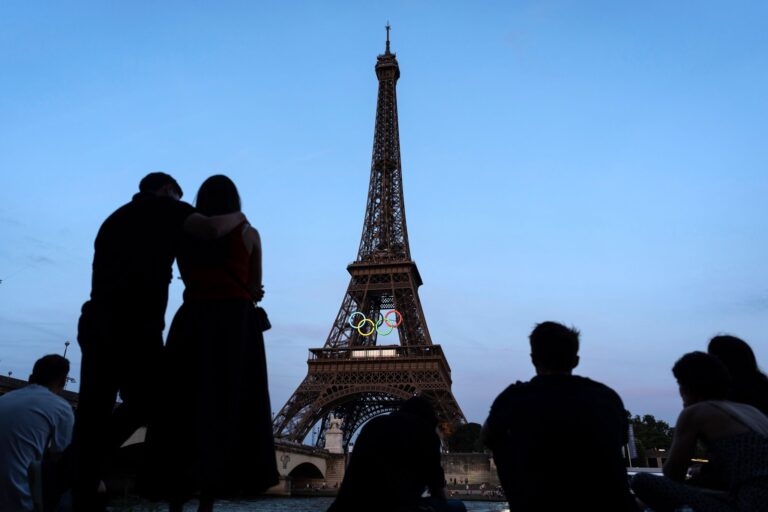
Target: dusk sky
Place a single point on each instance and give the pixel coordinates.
(601, 164)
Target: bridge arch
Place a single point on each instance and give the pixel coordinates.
(297, 418)
(301, 460)
(358, 406)
(306, 470)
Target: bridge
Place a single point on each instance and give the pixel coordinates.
(303, 467)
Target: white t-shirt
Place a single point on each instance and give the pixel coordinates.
(30, 419)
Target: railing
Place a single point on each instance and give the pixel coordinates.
(375, 352)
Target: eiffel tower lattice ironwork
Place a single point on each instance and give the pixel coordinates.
(354, 376)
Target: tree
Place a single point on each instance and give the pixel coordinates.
(466, 439)
(650, 433)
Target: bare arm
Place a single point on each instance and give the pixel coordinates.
(210, 228)
(438, 494)
(253, 243)
(683, 445)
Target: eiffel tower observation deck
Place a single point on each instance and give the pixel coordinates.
(379, 351)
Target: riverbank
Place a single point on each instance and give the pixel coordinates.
(277, 504)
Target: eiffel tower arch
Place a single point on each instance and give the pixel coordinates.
(359, 373)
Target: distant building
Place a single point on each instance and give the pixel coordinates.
(656, 457)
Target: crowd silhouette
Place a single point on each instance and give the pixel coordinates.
(204, 399)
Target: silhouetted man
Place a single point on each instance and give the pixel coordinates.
(557, 438)
(396, 458)
(121, 328)
(32, 419)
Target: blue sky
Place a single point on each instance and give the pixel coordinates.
(602, 164)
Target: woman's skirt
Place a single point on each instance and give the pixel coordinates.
(212, 432)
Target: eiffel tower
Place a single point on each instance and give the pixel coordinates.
(357, 375)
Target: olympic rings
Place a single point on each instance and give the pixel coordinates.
(349, 320)
(375, 326)
(398, 322)
(362, 322)
(384, 333)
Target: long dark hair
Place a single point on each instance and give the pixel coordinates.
(735, 353)
(750, 385)
(217, 196)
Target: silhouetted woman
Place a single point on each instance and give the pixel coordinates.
(213, 437)
(748, 384)
(735, 436)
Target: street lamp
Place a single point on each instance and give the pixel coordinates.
(66, 346)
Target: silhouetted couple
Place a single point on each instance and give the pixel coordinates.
(724, 404)
(205, 395)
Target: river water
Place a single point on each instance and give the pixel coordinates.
(286, 505)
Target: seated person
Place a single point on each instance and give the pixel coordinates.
(735, 436)
(396, 457)
(539, 429)
(32, 419)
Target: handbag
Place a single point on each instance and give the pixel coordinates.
(262, 320)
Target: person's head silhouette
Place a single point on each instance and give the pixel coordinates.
(51, 372)
(701, 377)
(217, 196)
(421, 407)
(735, 354)
(748, 384)
(554, 348)
(161, 184)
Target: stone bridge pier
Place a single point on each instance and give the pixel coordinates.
(303, 467)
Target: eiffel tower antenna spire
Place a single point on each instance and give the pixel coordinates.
(388, 29)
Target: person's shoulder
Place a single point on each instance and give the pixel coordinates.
(603, 393)
(250, 234)
(173, 205)
(64, 410)
(594, 386)
(56, 401)
(518, 387)
(707, 408)
(512, 393)
(50, 400)
(31, 396)
(61, 402)
(695, 414)
(57, 408)
(249, 230)
(122, 212)
(10, 398)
